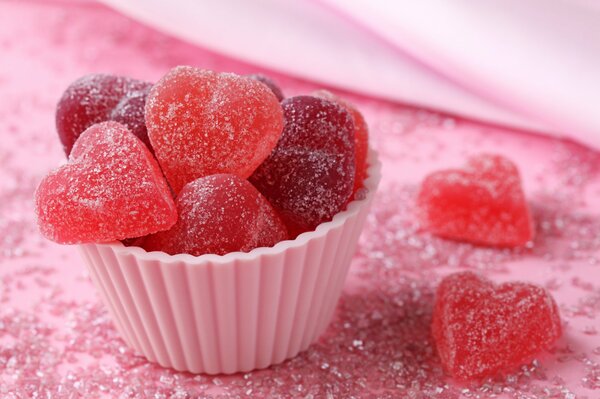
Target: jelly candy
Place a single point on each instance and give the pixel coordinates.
(94, 98)
(317, 124)
(111, 189)
(270, 84)
(310, 174)
(481, 329)
(483, 203)
(130, 112)
(202, 123)
(361, 136)
(219, 214)
(306, 187)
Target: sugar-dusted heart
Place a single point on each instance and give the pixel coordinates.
(202, 123)
(111, 189)
(481, 329)
(483, 203)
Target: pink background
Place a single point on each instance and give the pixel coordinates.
(526, 64)
(55, 335)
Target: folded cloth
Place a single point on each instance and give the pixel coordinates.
(527, 64)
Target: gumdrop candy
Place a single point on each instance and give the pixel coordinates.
(202, 123)
(314, 123)
(270, 84)
(111, 189)
(219, 214)
(130, 111)
(306, 187)
(309, 176)
(482, 204)
(98, 98)
(481, 329)
(361, 136)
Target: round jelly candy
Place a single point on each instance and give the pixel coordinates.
(130, 112)
(361, 136)
(309, 176)
(483, 203)
(481, 329)
(92, 99)
(270, 84)
(306, 187)
(314, 123)
(202, 123)
(111, 189)
(219, 214)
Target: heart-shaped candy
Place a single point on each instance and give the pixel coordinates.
(111, 189)
(202, 123)
(481, 329)
(361, 136)
(483, 204)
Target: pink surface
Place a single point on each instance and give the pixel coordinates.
(55, 334)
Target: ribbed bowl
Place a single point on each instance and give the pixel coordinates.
(233, 313)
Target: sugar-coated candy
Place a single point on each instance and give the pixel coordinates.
(97, 98)
(306, 187)
(309, 176)
(202, 123)
(130, 111)
(483, 203)
(270, 84)
(314, 123)
(481, 329)
(111, 189)
(219, 214)
(361, 135)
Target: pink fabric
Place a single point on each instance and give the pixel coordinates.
(527, 64)
(55, 334)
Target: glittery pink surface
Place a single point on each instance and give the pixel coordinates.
(56, 340)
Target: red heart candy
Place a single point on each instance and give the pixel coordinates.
(483, 204)
(202, 123)
(111, 189)
(481, 329)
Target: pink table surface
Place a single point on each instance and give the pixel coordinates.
(56, 340)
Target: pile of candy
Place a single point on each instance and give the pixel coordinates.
(246, 169)
(205, 162)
